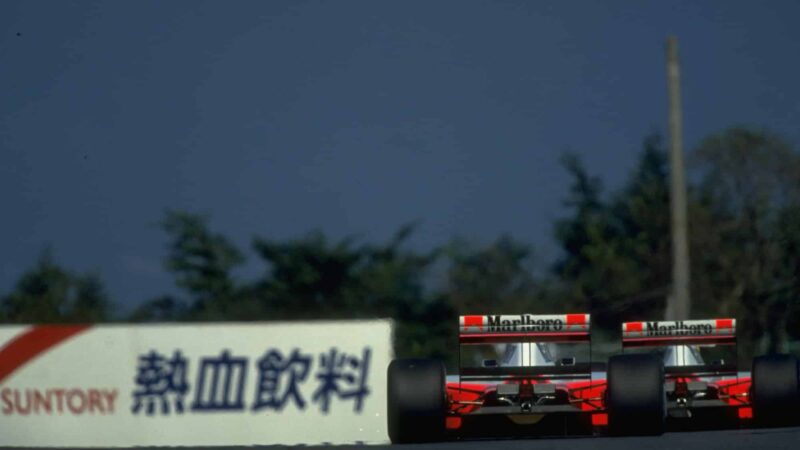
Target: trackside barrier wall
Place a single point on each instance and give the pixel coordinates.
(194, 384)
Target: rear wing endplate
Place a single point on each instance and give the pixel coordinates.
(488, 329)
(681, 332)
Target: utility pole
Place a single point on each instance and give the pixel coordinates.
(679, 303)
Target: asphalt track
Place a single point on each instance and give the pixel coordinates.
(774, 438)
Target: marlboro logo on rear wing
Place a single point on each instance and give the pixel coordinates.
(714, 331)
(523, 328)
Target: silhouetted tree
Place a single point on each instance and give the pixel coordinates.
(48, 293)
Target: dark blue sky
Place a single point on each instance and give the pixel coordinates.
(353, 117)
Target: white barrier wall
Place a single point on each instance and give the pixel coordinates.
(194, 384)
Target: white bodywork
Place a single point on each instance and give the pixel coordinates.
(539, 354)
(526, 355)
(682, 355)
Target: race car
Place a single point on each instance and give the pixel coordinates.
(688, 372)
(517, 374)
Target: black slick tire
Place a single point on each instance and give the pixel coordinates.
(635, 397)
(774, 390)
(416, 400)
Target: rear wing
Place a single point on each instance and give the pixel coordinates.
(681, 332)
(488, 329)
(524, 328)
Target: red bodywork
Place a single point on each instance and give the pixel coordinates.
(734, 392)
(586, 395)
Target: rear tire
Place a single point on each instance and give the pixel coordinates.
(774, 389)
(635, 396)
(417, 400)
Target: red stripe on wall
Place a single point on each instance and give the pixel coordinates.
(32, 343)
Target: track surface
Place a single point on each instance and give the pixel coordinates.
(776, 438)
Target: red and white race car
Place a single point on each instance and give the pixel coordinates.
(533, 374)
(700, 382)
(517, 374)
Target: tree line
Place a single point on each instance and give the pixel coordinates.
(744, 225)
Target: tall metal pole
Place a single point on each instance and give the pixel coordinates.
(679, 303)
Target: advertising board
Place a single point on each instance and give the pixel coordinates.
(194, 384)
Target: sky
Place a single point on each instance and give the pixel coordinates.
(277, 118)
